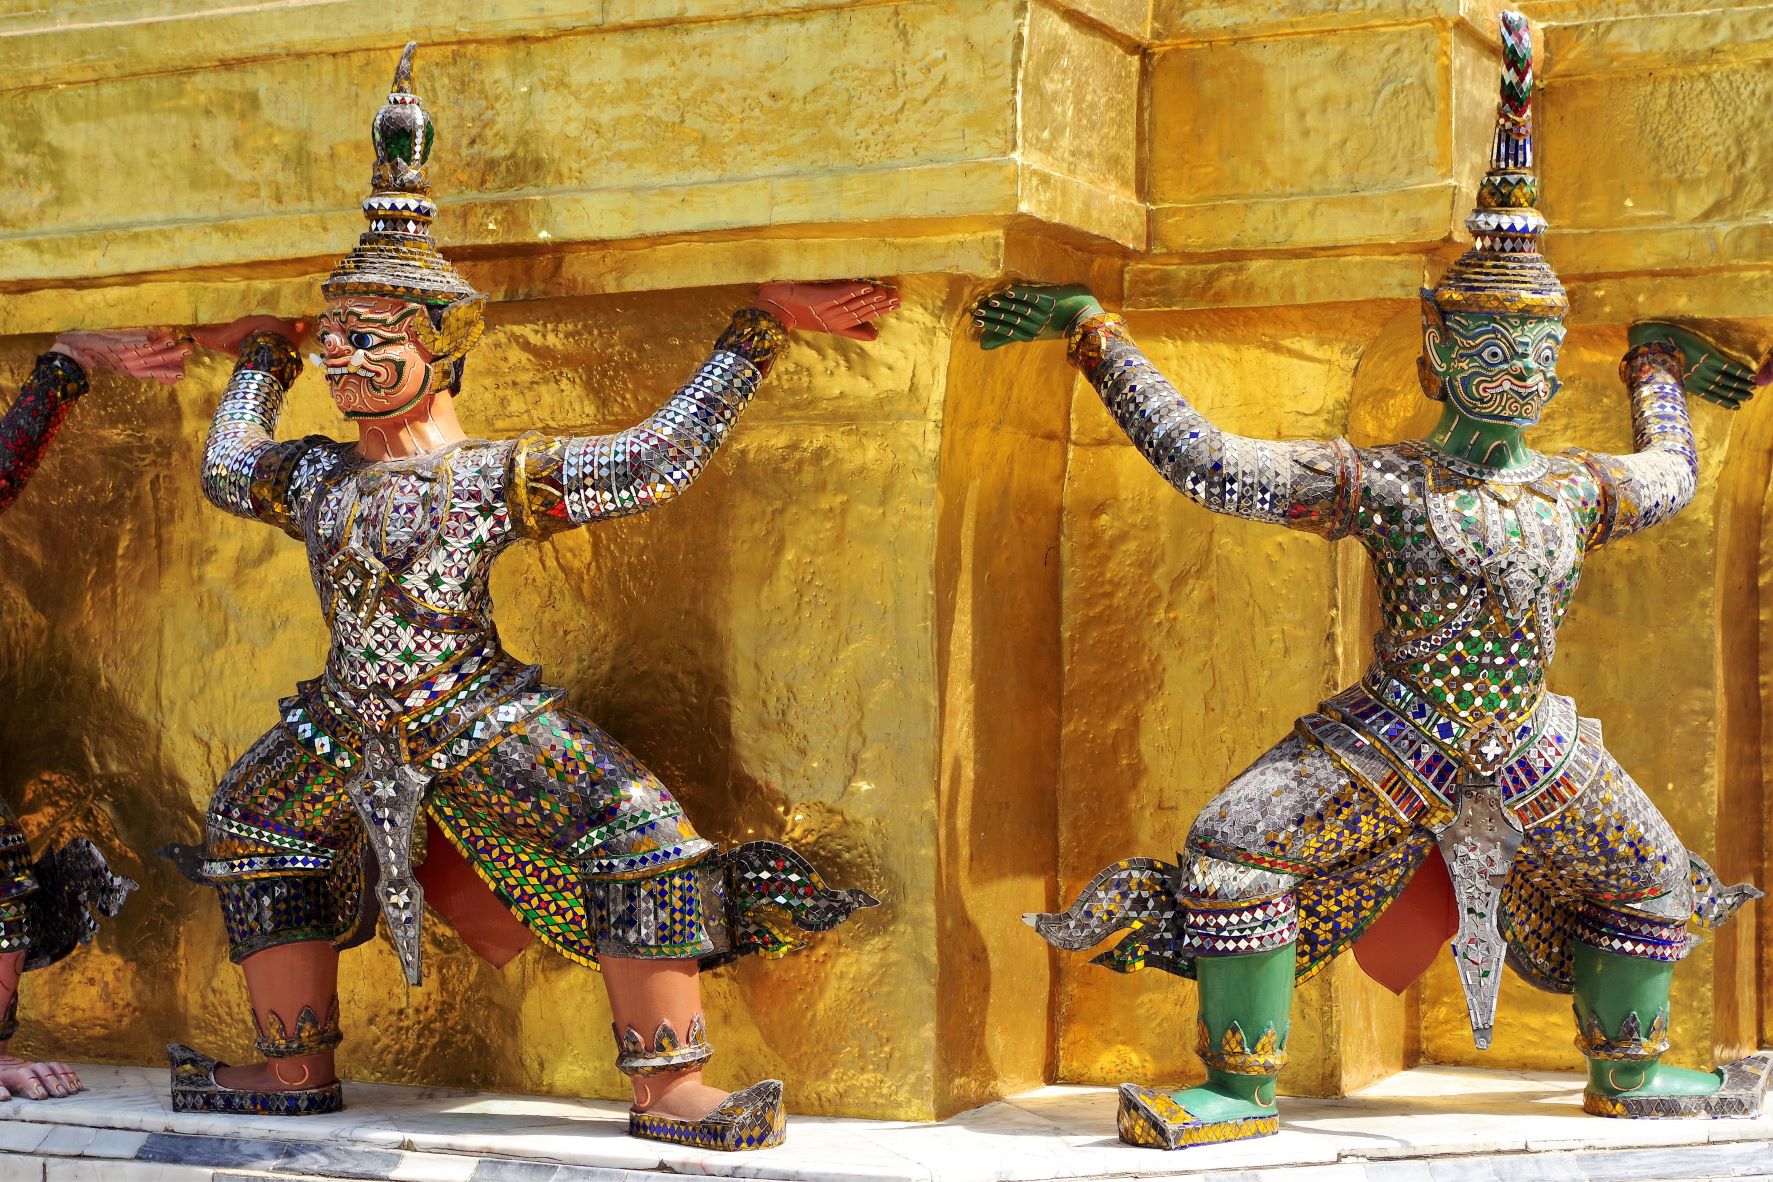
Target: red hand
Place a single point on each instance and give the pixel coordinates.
(847, 309)
(227, 338)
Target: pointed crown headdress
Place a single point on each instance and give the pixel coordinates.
(396, 257)
(1504, 271)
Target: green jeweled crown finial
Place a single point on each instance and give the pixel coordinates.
(396, 256)
(402, 133)
(1511, 183)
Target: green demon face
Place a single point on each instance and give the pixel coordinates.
(1495, 367)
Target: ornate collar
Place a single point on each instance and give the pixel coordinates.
(1527, 473)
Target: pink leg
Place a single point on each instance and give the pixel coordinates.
(22, 1077)
(453, 890)
(283, 981)
(642, 993)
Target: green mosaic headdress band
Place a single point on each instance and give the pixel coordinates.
(396, 257)
(1504, 270)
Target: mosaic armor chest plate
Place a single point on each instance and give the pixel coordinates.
(401, 554)
(1474, 578)
(1451, 723)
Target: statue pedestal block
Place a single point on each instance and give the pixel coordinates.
(1457, 1122)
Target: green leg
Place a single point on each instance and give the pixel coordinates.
(1245, 1002)
(1622, 1027)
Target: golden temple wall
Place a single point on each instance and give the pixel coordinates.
(928, 611)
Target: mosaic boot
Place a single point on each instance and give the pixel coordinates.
(1240, 996)
(1622, 1029)
(748, 1119)
(292, 1056)
(194, 1089)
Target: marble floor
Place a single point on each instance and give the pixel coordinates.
(1433, 1124)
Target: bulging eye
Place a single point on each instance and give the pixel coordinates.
(1492, 355)
(1548, 355)
(362, 340)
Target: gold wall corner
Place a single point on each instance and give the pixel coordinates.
(947, 625)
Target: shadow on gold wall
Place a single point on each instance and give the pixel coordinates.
(998, 575)
(149, 637)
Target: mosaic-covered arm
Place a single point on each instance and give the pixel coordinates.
(245, 470)
(560, 483)
(1656, 481)
(1311, 485)
(32, 422)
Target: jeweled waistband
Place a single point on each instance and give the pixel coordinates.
(1484, 746)
(442, 722)
(378, 707)
(1414, 755)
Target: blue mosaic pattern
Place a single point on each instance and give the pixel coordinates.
(751, 1119)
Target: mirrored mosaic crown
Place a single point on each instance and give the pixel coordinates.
(1504, 270)
(396, 256)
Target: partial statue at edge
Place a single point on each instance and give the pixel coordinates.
(1448, 768)
(52, 905)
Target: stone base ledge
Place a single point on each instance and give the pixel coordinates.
(1439, 1123)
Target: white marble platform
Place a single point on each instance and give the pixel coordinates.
(1426, 1125)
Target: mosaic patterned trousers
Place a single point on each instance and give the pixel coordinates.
(575, 837)
(16, 881)
(1295, 846)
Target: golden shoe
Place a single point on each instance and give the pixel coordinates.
(1155, 1120)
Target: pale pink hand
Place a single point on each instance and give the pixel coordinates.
(132, 352)
(227, 338)
(847, 308)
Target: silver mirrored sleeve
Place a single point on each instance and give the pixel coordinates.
(605, 476)
(1306, 484)
(241, 453)
(1660, 478)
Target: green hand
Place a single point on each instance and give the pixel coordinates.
(1710, 371)
(1029, 313)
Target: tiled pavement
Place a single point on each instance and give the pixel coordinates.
(1427, 1125)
